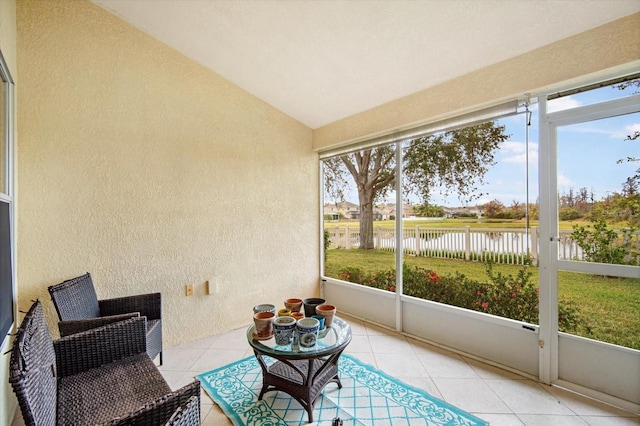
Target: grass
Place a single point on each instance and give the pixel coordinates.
(609, 307)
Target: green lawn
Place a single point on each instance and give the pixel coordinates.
(609, 307)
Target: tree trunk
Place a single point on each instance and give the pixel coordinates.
(366, 219)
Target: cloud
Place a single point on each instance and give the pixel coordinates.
(601, 128)
(512, 147)
(515, 152)
(629, 130)
(564, 182)
(561, 104)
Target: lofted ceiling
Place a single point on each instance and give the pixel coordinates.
(324, 60)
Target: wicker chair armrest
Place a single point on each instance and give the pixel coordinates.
(162, 410)
(70, 327)
(149, 305)
(189, 415)
(99, 346)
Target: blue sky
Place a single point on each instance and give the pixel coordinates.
(587, 155)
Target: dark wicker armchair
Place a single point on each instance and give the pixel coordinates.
(97, 377)
(79, 309)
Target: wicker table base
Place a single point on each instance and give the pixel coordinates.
(303, 379)
(302, 372)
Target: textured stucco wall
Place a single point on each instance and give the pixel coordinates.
(609, 48)
(149, 171)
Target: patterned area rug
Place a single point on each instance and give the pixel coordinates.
(368, 397)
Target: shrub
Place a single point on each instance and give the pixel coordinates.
(503, 295)
(601, 244)
(353, 275)
(569, 213)
(327, 243)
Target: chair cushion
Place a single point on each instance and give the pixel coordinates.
(127, 385)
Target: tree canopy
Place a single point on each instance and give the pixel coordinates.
(453, 161)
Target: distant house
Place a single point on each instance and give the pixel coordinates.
(344, 210)
(464, 211)
(351, 211)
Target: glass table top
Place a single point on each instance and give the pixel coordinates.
(329, 340)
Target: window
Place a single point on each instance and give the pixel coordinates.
(461, 205)
(597, 133)
(6, 201)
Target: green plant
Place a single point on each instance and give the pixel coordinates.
(569, 213)
(570, 318)
(604, 245)
(505, 295)
(327, 243)
(606, 309)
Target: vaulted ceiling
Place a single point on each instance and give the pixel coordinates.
(320, 61)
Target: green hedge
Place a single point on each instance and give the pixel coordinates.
(508, 296)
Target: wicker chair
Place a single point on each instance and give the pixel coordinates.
(97, 377)
(79, 309)
(187, 415)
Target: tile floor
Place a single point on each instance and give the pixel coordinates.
(498, 396)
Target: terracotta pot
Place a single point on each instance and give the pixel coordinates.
(293, 304)
(297, 315)
(328, 312)
(263, 324)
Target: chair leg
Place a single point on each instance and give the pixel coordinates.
(310, 412)
(160, 357)
(263, 391)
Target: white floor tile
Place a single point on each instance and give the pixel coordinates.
(500, 419)
(375, 330)
(550, 420)
(528, 397)
(472, 395)
(425, 384)
(439, 363)
(487, 371)
(394, 344)
(178, 358)
(215, 358)
(366, 357)
(359, 343)
(400, 365)
(584, 406)
(611, 421)
(357, 326)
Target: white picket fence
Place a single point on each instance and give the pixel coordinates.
(500, 245)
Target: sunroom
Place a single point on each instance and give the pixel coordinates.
(129, 155)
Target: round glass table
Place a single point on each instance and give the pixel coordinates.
(301, 372)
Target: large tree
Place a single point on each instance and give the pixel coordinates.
(454, 161)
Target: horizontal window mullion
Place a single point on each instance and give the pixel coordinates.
(457, 122)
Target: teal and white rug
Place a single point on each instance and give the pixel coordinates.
(368, 397)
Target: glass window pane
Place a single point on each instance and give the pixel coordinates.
(599, 190)
(471, 238)
(599, 217)
(359, 217)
